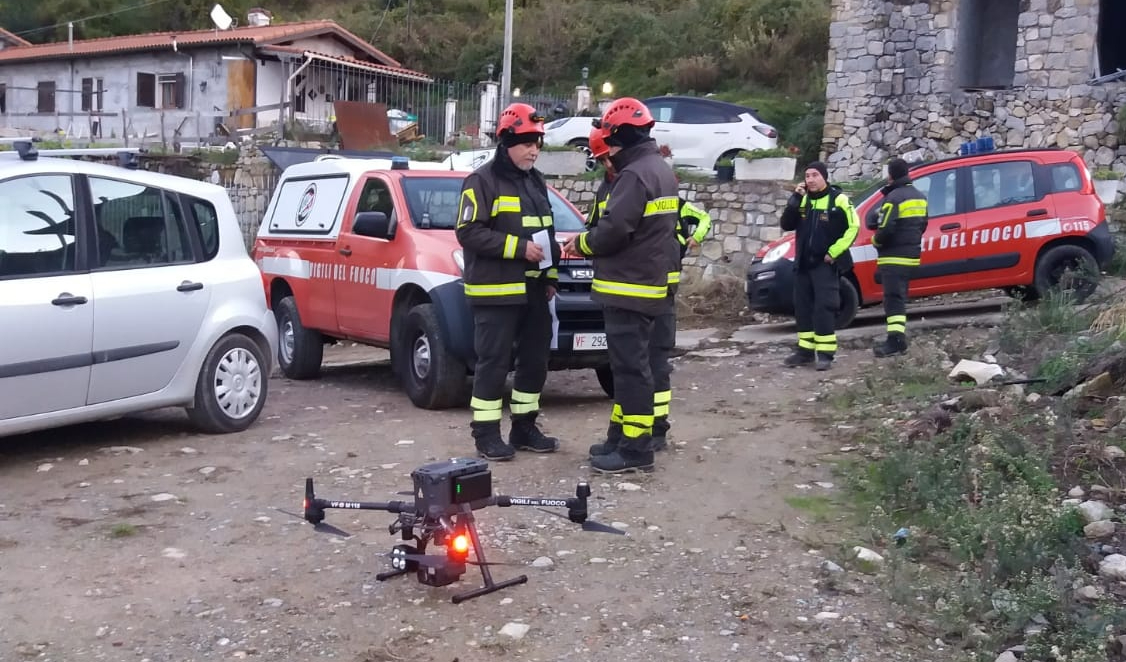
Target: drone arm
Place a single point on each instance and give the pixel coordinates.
(388, 506)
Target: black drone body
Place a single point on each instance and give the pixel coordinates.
(445, 496)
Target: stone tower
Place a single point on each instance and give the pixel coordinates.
(919, 78)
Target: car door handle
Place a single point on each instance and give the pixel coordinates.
(950, 226)
(345, 251)
(68, 299)
(1037, 212)
(189, 286)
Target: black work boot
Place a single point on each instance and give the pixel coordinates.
(613, 438)
(824, 360)
(623, 461)
(896, 343)
(801, 356)
(490, 445)
(660, 433)
(526, 436)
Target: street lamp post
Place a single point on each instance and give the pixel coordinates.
(506, 70)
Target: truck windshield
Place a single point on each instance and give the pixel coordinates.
(433, 204)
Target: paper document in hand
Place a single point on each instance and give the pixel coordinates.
(543, 239)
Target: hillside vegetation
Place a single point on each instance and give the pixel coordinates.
(767, 53)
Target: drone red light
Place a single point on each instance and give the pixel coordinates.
(461, 543)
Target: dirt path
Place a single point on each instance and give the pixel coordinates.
(136, 540)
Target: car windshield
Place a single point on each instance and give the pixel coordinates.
(433, 204)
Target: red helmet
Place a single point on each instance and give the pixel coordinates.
(598, 147)
(520, 118)
(626, 111)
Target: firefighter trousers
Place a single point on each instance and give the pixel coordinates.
(628, 336)
(817, 296)
(894, 279)
(661, 344)
(497, 332)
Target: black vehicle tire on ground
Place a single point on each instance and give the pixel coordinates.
(850, 304)
(231, 388)
(1067, 262)
(432, 376)
(605, 379)
(582, 145)
(300, 350)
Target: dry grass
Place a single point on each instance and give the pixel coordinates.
(716, 301)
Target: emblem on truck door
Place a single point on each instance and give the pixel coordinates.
(305, 207)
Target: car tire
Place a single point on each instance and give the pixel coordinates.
(605, 379)
(300, 350)
(231, 389)
(850, 304)
(432, 376)
(584, 147)
(1054, 263)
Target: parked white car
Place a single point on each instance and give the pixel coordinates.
(123, 290)
(698, 131)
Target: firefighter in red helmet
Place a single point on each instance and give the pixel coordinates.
(634, 248)
(509, 280)
(600, 151)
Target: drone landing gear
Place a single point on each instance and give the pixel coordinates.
(490, 586)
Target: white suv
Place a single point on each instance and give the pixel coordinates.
(123, 290)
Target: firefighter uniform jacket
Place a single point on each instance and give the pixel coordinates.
(694, 223)
(826, 224)
(634, 243)
(899, 224)
(501, 208)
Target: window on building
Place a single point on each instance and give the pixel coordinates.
(161, 90)
(3, 99)
(92, 94)
(1111, 46)
(987, 43)
(46, 102)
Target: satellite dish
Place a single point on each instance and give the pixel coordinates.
(221, 18)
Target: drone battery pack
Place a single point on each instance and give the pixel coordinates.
(441, 485)
(473, 487)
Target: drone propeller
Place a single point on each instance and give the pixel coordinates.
(320, 527)
(588, 525)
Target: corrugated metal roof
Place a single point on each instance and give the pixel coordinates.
(257, 35)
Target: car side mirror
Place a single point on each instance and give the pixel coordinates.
(372, 224)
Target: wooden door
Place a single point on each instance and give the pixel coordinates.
(241, 93)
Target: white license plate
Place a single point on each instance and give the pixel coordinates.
(588, 341)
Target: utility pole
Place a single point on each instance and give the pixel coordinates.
(408, 20)
(506, 66)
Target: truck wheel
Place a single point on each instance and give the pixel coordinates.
(231, 389)
(1070, 268)
(605, 379)
(300, 350)
(433, 377)
(850, 303)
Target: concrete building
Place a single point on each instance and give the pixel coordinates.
(925, 76)
(192, 84)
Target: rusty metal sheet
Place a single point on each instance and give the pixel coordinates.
(363, 125)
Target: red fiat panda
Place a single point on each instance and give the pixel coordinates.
(1015, 220)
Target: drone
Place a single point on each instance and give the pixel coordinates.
(445, 496)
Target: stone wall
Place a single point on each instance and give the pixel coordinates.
(893, 86)
(744, 218)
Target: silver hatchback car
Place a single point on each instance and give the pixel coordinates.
(123, 290)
